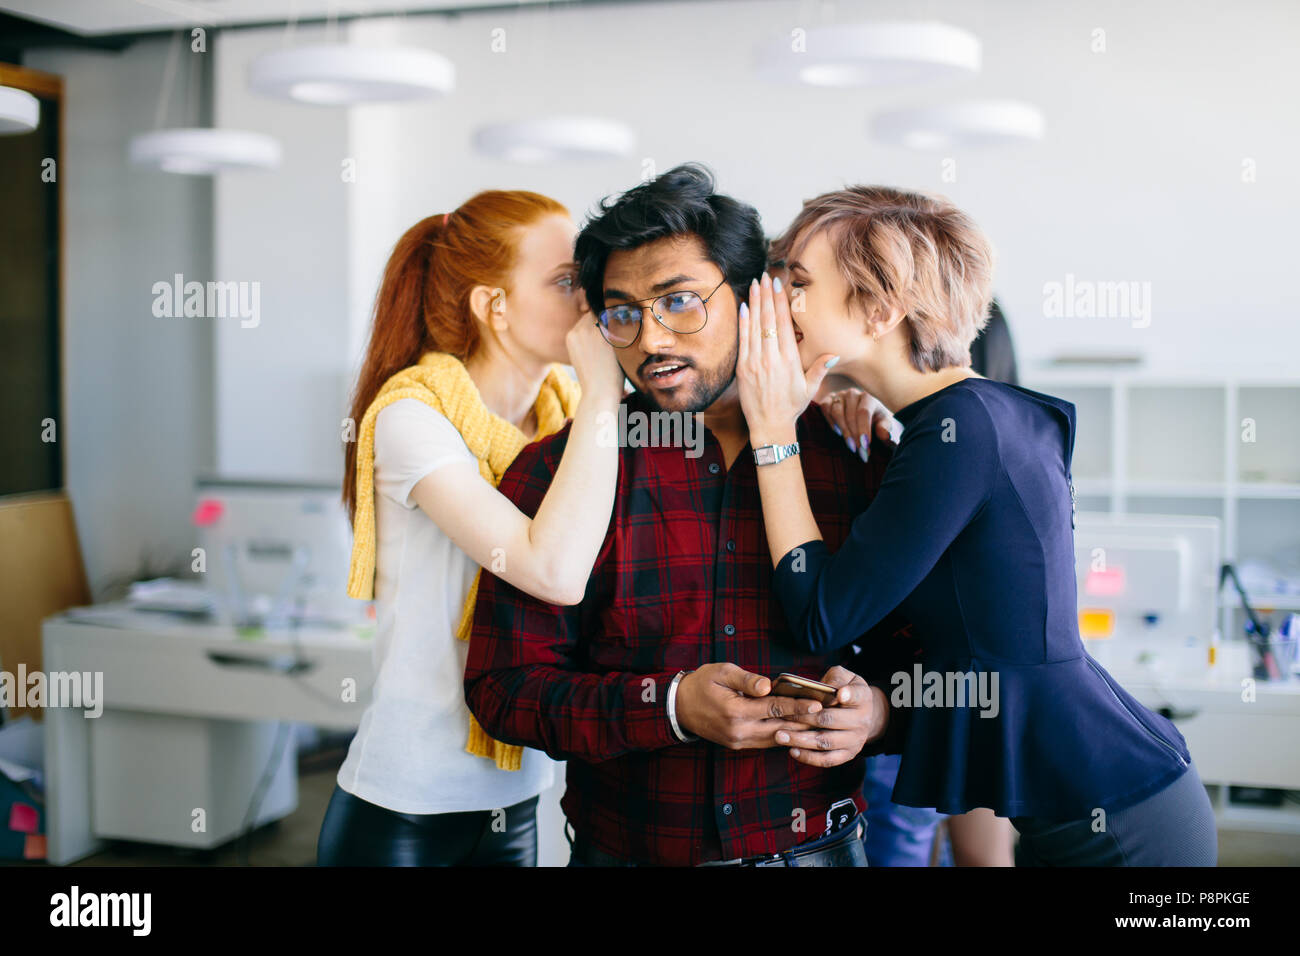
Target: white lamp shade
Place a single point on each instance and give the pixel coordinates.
(556, 138)
(342, 75)
(20, 112)
(872, 54)
(981, 123)
(201, 152)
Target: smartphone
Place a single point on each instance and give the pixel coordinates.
(791, 685)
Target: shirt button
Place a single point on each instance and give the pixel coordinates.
(726, 808)
(714, 468)
(729, 629)
(731, 544)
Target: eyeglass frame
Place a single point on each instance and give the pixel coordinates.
(653, 300)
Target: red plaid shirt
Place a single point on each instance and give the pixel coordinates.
(683, 579)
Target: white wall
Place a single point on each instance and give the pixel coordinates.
(1139, 177)
(281, 384)
(138, 389)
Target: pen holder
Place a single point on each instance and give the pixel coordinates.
(1281, 656)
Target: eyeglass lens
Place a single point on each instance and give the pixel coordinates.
(680, 312)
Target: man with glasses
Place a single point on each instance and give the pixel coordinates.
(657, 687)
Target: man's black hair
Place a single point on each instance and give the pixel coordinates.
(679, 202)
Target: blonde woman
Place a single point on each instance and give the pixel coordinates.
(970, 537)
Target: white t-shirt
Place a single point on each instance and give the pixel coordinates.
(409, 752)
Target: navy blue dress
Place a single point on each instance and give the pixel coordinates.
(971, 538)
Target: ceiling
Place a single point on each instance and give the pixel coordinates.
(101, 18)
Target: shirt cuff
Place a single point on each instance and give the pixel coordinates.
(672, 710)
(892, 740)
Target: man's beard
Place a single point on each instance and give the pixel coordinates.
(706, 389)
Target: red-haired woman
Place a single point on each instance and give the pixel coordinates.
(475, 309)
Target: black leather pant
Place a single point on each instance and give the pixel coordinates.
(358, 833)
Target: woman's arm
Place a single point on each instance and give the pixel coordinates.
(787, 515)
(774, 391)
(550, 556)
(937, 480)
(940, 476)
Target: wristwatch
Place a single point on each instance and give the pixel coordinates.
(771, 454)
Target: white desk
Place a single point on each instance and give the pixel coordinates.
(155, 664)
(158, 665)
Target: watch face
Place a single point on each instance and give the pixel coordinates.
(765, 455)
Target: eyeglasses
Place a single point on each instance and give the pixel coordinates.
(678, 312)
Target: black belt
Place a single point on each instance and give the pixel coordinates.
(841, 847)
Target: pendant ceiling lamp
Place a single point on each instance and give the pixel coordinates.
(201, 151)
(20, 112)
(978, 123)
(556, 138)
(872, 54)
(197, 150)
(345, 74)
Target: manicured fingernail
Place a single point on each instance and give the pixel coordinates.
(782, 737)
(776, 283)
(794, 752)
(744, 310)
(753, 284)
(853, 446)
(837, 430)
(834, 359)
(865, 448)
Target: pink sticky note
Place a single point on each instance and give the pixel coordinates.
(1107, 583)
(208, 511)
(23, 818)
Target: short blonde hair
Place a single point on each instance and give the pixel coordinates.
(903, 249)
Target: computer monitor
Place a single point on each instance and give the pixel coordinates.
(277, 554)
(1147, 589)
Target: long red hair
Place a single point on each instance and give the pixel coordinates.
(423, 301)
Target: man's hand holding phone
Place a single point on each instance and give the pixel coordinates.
(736, 709)
(823, 723)
(836, 734)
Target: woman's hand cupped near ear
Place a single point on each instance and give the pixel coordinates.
(774, 388)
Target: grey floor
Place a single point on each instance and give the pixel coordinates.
(292, 840)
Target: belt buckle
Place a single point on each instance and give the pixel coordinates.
(795, 853)
(837, 821)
